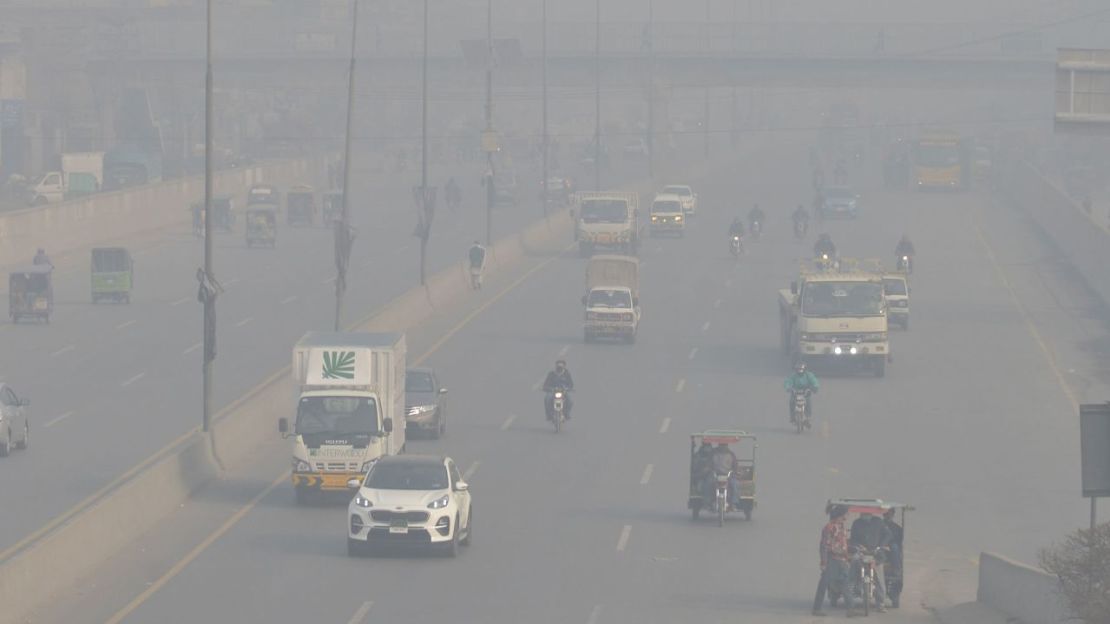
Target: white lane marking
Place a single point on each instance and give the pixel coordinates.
(231, 281)
(181, 301)
(191, 349)
(666, 425)
(705, 327)
(289, 299)
(508, 422)
(331, 279)
(126, 324)
(647, 474)
(563, 351)
(622, 542)
(65, 349)
(693, 353)
(471, 470)
(132, 380)
(57, 419)
(403, 249)
(716, 304)
(680, 386)
(244, 321)
(360, 615)
(595, 614)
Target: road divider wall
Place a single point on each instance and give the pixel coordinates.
(1023, 593)
(102, 217)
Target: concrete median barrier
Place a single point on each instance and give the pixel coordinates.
(1022, 593)
(95, 219)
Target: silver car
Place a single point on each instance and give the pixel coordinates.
(14, 428)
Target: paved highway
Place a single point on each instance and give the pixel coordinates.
(974, 424)
(111, 384)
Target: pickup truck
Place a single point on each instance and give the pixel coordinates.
(607, 219)
(612, 298)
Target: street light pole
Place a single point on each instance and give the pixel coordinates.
(344, 233)
(543, 74)
(597, 97)
(651, 90)
(427, 207)
(207, 295)
(490, 193)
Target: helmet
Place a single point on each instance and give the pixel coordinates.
(800, 366)
(560, 363)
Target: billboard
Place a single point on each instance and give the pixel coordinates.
(1094, 449)
(1082, 91)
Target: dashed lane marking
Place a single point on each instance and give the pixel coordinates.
(57, 419)
(132, 380)
(508, 422)
(680, 386)
(181, 301)
(471, 470)
(622, 541)
(191, 349)
(647, 474)
(360, 615)
(693, 353)
(289, 299)
(126, 324)
(716, 304)
(65, 349)
(595, 615)
(564, 350)
(666, 425)
(705, 327)
(244, 321)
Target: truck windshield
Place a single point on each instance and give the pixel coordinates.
(937, 154)
(609, 299)
(894, 287)
(407, 476)
(337, 416)
(836, 299)
(604, 211)
(666, 206)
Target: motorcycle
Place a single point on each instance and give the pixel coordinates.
(798, 412)
(558, 398)
(736, 246)
(905, 264)
(867, 583)
(721, 499)
(800, 227)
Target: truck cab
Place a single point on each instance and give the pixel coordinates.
(896, 289)
(607, 219)
(667, 215)
(350, 409)
(612, 298)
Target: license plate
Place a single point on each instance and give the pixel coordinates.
(399, 527)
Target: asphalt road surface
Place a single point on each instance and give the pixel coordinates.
(974, 424)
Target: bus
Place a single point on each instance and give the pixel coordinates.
(940, 162)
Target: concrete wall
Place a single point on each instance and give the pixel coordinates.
(1028, 594)
(106, 217)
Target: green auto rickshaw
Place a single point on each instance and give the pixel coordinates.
(261, 225)
(31, 293)
(112, 269)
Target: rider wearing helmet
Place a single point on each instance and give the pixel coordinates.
(800, 381)
(824, 246)
(755, 215)
(905, 247)
(737, 228)
(558, 378)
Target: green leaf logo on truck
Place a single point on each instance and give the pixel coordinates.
(339, 365)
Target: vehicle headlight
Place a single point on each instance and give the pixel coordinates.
(654, 218)
(365, 503)
(440, 502)
(300, 465)
(626, 317)
(366, 466)
(678, 217)
(417, 410)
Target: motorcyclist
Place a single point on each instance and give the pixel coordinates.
(904, 247)
(477, 258)
(736, 228)
(558, 378)
(870, 535)
(800, 381)
(42, 259)
(824, 247)
(755, 217)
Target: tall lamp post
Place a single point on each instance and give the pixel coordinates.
(597, 97)
(489, 139)
(543, 74)
(425, 198)
(651, 90)
(344, 233)
(208, 288)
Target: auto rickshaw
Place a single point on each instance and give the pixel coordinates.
(333, 207)
(886, 562)
(709, 489)
(300, 205)
(263, 194)
(31, 293)
(261, 225)
(111, 274)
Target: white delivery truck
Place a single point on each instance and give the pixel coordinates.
(607, 219)
(350, 407)
(612, 298)
(82, 174)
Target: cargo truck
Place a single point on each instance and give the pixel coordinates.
(82, 174)
(350, 407)
(836, 317)
(607, 219)
(612, 298)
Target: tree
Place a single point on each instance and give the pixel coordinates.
(1082, 563)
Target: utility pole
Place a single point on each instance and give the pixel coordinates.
(597, 97)
(543, 74)
(344, 233)
(491, 193)
(651, 90)
(705, 122)
(206, 293)
(426, 198)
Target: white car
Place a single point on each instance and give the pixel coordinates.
(686, 194)
(418, 500)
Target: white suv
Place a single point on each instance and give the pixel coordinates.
(415, 500)
(14, 428)
(686, 194)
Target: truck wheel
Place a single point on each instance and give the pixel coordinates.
(6, 447)
(26, 441)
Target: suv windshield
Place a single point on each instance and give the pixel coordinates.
(418, 382)
(894, 287)
(407, 476)
(832, 299)
(666, 206)
(609, 299)
(604, 211)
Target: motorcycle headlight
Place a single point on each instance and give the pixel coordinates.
(735, 239)
(300, 465)
(440, 502)
(363, 502)
(558, 395)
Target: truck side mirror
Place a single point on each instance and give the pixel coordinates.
(793, 288)
(443, 390)
(387, 426)
(583, 299)
(283, 426)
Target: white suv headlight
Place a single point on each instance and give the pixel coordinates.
(440, 502)
(363, 502)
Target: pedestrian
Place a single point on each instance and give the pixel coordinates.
(477, 258)
(892, 568)
(834, 561)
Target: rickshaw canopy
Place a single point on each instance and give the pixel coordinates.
(875, 506)
(111, 260)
